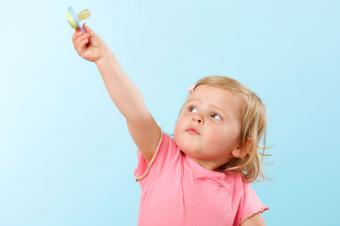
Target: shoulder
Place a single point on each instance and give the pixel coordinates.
(164, 156)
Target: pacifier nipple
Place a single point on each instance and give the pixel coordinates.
(74, 20)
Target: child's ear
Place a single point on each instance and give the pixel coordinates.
(243, 149)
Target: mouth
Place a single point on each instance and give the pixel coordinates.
(192, 131)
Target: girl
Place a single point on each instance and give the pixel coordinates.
(202, 176)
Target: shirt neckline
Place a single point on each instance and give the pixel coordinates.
(200, 171)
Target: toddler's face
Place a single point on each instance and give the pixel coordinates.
(208, 127)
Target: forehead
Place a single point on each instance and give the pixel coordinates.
(219, 97)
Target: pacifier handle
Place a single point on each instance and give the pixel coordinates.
(74, 20)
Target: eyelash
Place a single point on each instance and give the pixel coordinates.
(191, 107)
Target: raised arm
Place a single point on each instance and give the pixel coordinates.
(142, 126)
(144, 130)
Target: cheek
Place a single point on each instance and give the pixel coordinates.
(181, 122)
(221, 137)
(178, 126)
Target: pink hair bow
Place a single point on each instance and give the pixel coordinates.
(191, 88)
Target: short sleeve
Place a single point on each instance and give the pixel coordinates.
(165, 154)
(251, 204)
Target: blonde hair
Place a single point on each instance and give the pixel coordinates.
(253, 126)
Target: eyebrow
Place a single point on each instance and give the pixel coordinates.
(212, 105)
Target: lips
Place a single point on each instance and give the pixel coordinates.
(192, 131)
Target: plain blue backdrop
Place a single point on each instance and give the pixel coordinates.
(66, 157)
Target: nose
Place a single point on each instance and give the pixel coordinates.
(198, 118)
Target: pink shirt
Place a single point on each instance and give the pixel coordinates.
(177, 191)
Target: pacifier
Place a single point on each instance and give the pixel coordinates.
(74, 20)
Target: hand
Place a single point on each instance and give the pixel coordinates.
(89, 45)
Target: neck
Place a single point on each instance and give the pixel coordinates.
(211, 165)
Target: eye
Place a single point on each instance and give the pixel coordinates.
(192, 108)
(216, 116)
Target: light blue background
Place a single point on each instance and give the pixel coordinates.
(66, 158)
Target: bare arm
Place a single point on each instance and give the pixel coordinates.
(255, 220)
(123, 92)
(142, 126)
(125, 95)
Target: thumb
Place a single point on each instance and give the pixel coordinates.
(87, 30)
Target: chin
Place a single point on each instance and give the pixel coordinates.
(184, 143)
(186, 148)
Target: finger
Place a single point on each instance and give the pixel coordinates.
(87, 29)
(76, 43)
(76, 34)
(79, 41)
(81, 45)
(80, 37)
